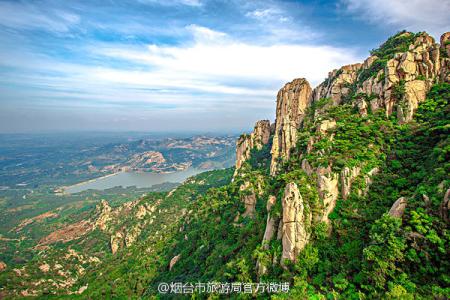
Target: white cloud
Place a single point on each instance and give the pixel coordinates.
(415, 15)
(213, 76)
(215, 57)
(28, 16)
(214, 69)
(263, 13)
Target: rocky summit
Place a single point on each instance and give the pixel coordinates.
(395, 79)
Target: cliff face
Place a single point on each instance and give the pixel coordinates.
(395, 78)
(257, 139)
(296, 220)
(353, 196)
(292, 101)
(337, 85)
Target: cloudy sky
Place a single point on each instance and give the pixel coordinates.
(180, 65)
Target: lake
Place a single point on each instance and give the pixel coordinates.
(125, 179)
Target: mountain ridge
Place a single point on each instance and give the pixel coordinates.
(345, 196)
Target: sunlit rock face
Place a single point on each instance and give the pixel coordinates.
(292, 101)
(336, 86)
(257, 139)
(444, 73)
(406, 78)
(398, 208)
(296, 220)
(398, 85)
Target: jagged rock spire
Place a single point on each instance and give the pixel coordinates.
(292, 101)
(257, 139)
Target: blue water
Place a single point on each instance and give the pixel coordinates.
(140, 180)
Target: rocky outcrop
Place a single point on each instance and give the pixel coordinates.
(116, 241)
(327, 183)
(398, 208)
(368, 181)
(3, 266)
(270, 224)
(261, 134)
(132, 236)
(248, 197)
(104, 215)
(325, 126)
(444, 75)
(347, 177)
(296, 220)
(306, 167)
(444, 208)
(337, 85)
(173, 261)
(44, 268)
(292, 101)
(268, 233)
(257, 139)
(406, 79)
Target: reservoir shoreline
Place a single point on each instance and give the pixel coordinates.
(126, 179)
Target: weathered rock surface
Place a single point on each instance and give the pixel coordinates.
(445, 207)
(270, 225)
(104, 215)
(347, 177)
(257, 139)
(325, 126)
(132, 235)
(327, 183)
(248, 196)
(296, 220)
(398, 208)
(116, 241)
(44, 268)
(368, 181)
(307, 167)
(417, 69)
(292, 101)
(445, 58)
(336, 86)
(67, 233)
(173, 261)
(268, 233)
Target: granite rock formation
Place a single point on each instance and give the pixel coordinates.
(292, 101)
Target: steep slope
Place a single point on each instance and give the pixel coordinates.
(345, 196)
(108, 243)
(348, 197)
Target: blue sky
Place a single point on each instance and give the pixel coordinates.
(180, 65)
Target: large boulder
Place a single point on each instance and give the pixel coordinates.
(173, 261)
(398, 208)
